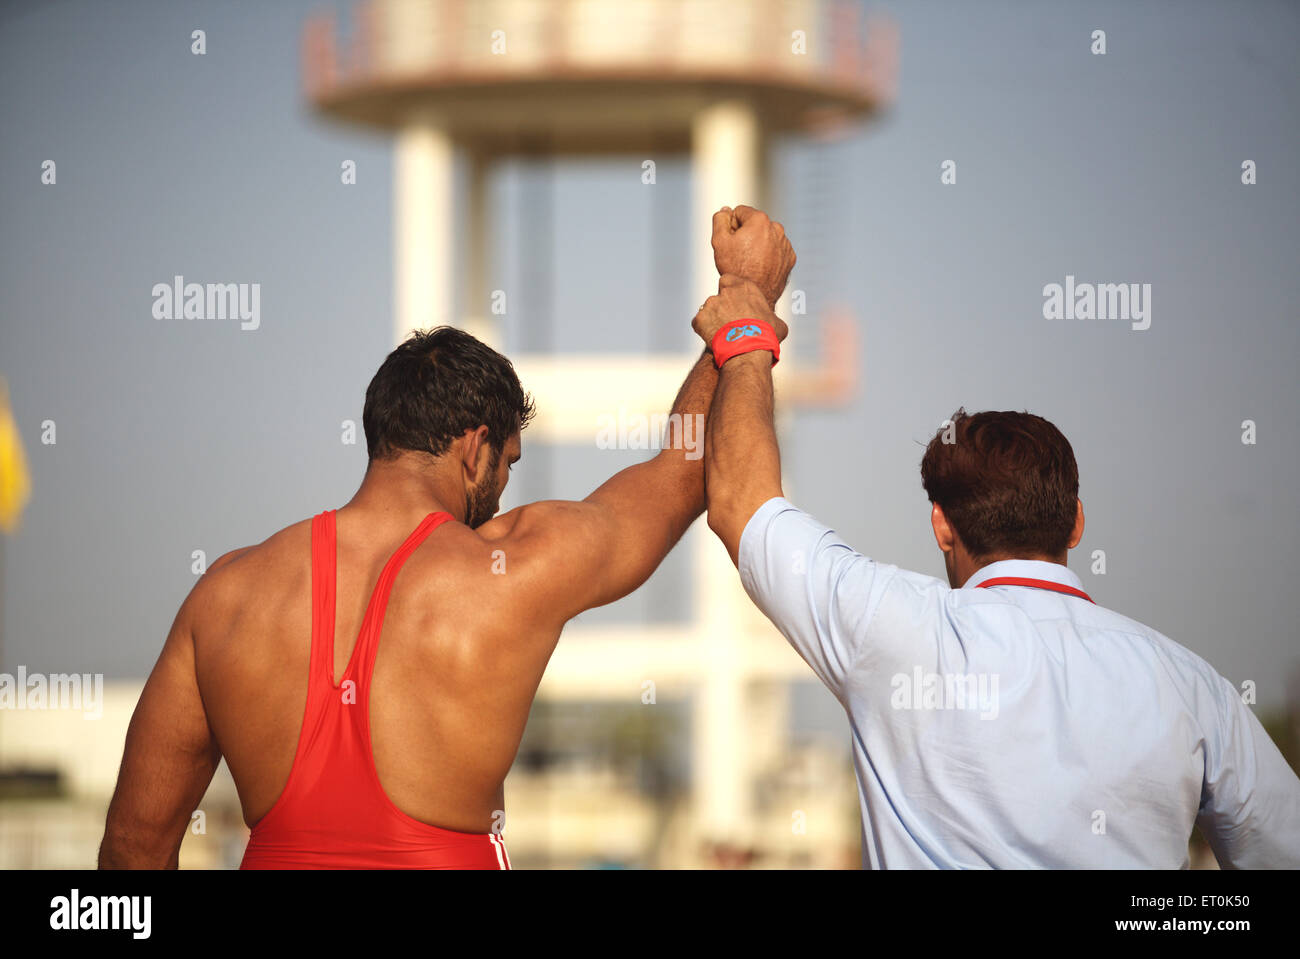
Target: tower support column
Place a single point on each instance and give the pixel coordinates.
(727, 168)
(424, 222)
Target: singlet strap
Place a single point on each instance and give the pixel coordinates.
(373, 624)
(324, 570)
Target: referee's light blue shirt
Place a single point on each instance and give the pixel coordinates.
(1018, 727)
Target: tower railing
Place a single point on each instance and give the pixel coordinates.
(823, 45)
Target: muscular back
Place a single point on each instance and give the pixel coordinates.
(456, 668)
(472, 620)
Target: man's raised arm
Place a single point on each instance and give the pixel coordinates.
(604, 547)
(742, 459)
(813, 587)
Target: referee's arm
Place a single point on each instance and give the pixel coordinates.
(1250, 797)
(742, 462)
(813, 587)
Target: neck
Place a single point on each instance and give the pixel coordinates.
(966, 567)
(406, 491)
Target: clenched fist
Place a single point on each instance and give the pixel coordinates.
(746, 243)
(736, 299)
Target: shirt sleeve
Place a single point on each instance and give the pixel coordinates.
(816, 590)
(1250, 797)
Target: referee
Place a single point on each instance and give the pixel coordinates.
(1001, 719)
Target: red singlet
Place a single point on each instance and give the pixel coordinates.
(333, 813)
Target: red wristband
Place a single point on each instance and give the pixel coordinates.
(744, 336)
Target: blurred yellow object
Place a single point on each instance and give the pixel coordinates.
(15, 484)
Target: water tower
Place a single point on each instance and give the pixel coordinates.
(484, 80)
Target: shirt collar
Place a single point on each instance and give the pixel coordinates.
(1027, 568)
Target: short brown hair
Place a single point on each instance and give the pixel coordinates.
(437, 384)
(1006, 481)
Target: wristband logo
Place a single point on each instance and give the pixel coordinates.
(739, 332)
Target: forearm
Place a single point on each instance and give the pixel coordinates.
(136, 834)
(681, 461)
(118, 850)
(741, 455)
(641, 512)
(603, 548)
(672, 483)
(111, 857)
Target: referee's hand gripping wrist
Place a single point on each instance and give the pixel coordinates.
(738, 320)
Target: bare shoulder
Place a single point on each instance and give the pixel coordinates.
(544, 522)
(557, 537)
(552, 553)
(516, 540)
(253, 570)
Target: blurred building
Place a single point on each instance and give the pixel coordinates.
(653, 746)
(463, 87)
(58, 768)
(648, 746)
(596, 784)
(709, 770)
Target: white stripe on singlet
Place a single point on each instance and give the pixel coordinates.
(499, 845)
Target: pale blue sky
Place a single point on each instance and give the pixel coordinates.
(175, 436)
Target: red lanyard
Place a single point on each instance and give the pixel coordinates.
(1037, 584)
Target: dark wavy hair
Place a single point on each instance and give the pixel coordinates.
(436, 385)
(1007, 483)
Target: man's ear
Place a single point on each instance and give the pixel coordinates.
(943, 534)
(1077, 533)
(475, 454)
